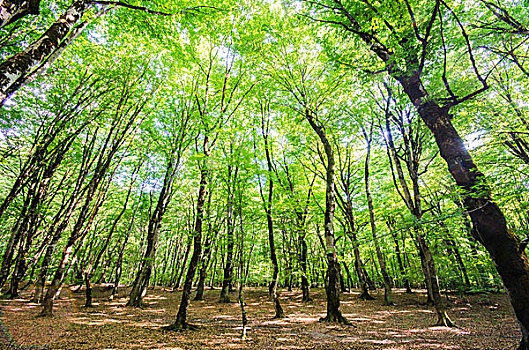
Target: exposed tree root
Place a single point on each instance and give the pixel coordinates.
(180, 327)
(366, 296)
(336, 319)
(444, 321)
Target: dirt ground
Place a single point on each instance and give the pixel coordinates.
(484, 322)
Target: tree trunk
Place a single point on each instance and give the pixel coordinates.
(56, 284)
(17, 67)
(13, 10)
(333, 267)
(305, 285)
(453, 250)
(402, 270)
(272, 287)
(230, 227)
(203, 273)
(381, 261)
(362, 275)
(181, 317)
(183, 267)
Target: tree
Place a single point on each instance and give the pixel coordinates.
(381, 260)
(268, 206)
(180, 130)
(99, 162)
(404, 56)
(25, 66)
(13, 10)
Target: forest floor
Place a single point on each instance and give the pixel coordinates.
(485, 321)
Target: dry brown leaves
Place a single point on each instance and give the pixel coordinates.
(485, 322)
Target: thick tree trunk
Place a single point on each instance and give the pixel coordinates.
(13, 10)
(17, 67)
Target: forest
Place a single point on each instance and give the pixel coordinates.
(290, 174)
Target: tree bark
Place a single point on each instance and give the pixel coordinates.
(13, 10)
(181, 317)
(402, 270)
(332, 288)
(230, 227)
(381, 261)
(18, 66)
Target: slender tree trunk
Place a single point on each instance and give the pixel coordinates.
(453, 250)
(272, 287)
(230, 227)
(184, 265)
(413, 203)
(381, 261)
(332, 289)
(181, 317)
(402, 270)
(305, 285)
(361, 273)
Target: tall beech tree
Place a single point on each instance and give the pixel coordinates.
(308, 84)
(404, 53)
(372, 223)
(180, 132)
(231, 179)
(214, 111)
(409, 130)
(13, 10)
(346, 186)
(100, 160)
(268, 206)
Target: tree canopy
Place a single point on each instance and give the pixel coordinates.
(331, 143)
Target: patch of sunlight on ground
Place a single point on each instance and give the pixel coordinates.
(450, 329)
(97, 322)
(378, 341)
(298, 319)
